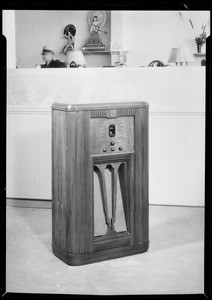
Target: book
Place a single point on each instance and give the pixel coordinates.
(93, 48)
(94, 45)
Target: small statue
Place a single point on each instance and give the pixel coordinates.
(96, 20)
(69, 33)
(95, 31)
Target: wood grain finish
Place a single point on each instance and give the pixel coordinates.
(123, 138)
(96, 256)
(77, 140)
(141, 222)
(72, 210)
(59, 203)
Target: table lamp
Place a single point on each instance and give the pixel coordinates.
(180, 55)
(75, 58)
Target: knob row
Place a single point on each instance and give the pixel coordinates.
(113, 149)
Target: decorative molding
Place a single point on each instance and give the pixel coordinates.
(177, 113)
(99, 106)
(110, 158)
(102, 113)
(29, 203)
(112, 113)
(28, 109)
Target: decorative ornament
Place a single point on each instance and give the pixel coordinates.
(69, 33)
(96, 20)
(101, 16)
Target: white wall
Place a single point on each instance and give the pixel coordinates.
(29, 151)
(177, 159)
(147, 35)
(34, 29)
(9, 33)
(150, 35)
(176, 125)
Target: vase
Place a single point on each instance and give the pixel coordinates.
(199, 48)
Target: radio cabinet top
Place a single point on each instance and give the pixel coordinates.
(98, 106)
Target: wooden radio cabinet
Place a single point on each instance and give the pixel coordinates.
(91, 140)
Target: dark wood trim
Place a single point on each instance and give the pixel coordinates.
(141, 221)
(86, 258)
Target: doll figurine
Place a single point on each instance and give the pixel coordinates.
(69, 33)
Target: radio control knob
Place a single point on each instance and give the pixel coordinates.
(112, 149)
(104, 150)
(120, 148)
(112, 143)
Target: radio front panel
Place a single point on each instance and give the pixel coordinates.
(114, 135)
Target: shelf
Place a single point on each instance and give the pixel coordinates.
(96, 52)
(101, 52)
(200, 54)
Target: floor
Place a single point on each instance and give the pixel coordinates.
(173, 264)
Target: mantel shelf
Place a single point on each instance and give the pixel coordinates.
(95, 52)
(102, 52)
(199, 54)
(107, 52)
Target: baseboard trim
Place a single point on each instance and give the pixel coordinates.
(47, 203)
(29, 203)
(178, 205)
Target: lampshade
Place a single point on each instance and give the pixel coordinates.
(75, 56)
(180, 55)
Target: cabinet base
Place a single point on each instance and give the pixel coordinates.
(87, 258)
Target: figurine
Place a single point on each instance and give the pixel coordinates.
(95, 30)
(96, 20)
(69, 33)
